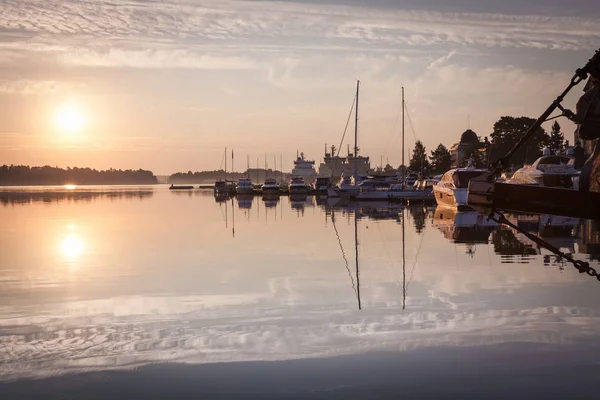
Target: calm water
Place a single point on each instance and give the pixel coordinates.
(173, 294)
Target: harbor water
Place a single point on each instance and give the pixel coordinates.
(166, 293)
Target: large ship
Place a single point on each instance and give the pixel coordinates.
(304, 169)
(334, 165)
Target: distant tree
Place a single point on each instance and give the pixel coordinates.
(388, 168)
(557, 139)
(441, 160)
(46, 175)
(507, 132)
(418, 161)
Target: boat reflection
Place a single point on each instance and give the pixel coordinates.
(467, 227)
(245, 200)
(588, 241)
(270, 199)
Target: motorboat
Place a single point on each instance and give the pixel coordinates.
(223, 187)
(298, 186)
(453, 187)
(244, 186)
(180, 187)
(348, 187)
(548, 170)
(321, 185)
(270, 186)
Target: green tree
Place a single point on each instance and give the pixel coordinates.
(441, 160)
(507, 132)
(418, 161)
(557, 139)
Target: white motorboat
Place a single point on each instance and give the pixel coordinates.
(452, 189)
(270, 186)
(244, 186)
(548, 170)
(298, 186)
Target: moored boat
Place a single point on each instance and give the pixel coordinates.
(244, 186)
(548, 170)
(298, 186)
(180, 187)
(223, 187)
(270, 186)
(452, 189)
(321, 185)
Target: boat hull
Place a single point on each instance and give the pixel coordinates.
(455, 198)
(244, 190)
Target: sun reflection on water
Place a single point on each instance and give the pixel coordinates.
(72, 246)
(70, 186)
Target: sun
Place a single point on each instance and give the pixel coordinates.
(69, 118)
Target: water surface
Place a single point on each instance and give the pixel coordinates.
(144, 283)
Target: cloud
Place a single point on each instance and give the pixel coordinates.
(155, 58)
(242, 25)
(29, 87)
(442, 60)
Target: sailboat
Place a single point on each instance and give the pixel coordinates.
(385, 189)
(224, 188)
(348, 186)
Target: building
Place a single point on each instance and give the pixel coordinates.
(469, 142)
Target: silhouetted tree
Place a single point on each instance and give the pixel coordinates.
(441, 160)
(557, 139)
(26, 175)
(418, 161)
(507, 132)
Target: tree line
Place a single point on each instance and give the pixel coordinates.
(257, 175)
(46, 175)
(506, 133)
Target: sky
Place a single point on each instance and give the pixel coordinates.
(167, 85)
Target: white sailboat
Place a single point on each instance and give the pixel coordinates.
(384, 189)
(348, 186)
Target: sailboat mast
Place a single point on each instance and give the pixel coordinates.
(225, 164)
(356, 129)
(356, 248)
(403, 166)
(248, 162)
